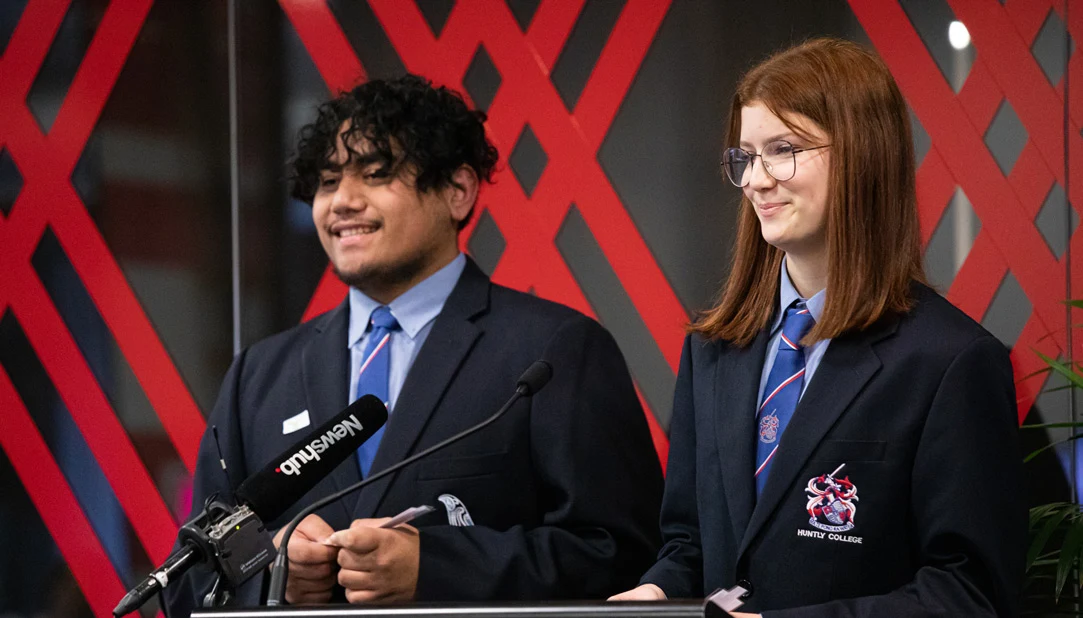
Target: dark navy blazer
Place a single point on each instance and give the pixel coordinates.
(921, 410)
(564, 490)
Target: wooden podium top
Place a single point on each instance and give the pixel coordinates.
(591, 609)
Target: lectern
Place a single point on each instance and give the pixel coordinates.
(598, 609)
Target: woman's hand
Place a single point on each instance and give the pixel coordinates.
(646, 592)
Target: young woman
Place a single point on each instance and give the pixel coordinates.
(843, 439)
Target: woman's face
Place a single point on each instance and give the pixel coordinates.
(792, 213)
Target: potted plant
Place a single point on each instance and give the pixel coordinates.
(1054, 577)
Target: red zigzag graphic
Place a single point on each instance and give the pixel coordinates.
(571, 141)
(1009, 239)
(49, 201)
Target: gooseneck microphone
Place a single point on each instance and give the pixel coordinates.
(533, 379)
(233, 539)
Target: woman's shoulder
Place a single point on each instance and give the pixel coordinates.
(939, 325)
(702, 349)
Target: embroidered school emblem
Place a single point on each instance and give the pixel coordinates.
(769, 427)
(831, 502)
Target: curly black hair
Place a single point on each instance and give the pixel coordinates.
(409, 124)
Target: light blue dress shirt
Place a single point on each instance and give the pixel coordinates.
(815, 352)
(415, 311)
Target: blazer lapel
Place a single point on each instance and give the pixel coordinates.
(846, 367)
(452, 336)
(325, 368)
(736, 385)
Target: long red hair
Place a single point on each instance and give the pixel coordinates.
(873, 238)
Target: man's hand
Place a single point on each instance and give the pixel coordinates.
(378, 564)
(646, 592)
(312, 564)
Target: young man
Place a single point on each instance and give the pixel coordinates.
(559, 499)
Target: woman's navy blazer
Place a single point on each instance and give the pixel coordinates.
(921, 410)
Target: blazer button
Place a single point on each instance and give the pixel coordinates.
(747, 585)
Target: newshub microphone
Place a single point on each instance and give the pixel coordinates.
(533, 379)
(233, 540)
(288, 477)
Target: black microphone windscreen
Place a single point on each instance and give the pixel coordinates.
(291, 474)
(535, 377)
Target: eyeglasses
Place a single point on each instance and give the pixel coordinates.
(779, 159)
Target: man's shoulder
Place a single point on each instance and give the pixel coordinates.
(293, 337)
(529, 310)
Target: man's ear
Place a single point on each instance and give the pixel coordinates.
(462, 193)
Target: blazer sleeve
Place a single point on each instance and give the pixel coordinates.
(601, 486)
(969, 517)
(679, 569)
(186, 594)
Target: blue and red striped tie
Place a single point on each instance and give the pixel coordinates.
(783, 390)
(375, 369)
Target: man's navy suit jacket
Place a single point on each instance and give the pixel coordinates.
(921, 410)
(564, 490)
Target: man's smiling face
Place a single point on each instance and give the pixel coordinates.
(381, 235)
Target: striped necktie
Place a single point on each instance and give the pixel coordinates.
(783, 390)
(375, 369)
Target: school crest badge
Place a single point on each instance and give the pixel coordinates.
(769, 427)
(831, 502)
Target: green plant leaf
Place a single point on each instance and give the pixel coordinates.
(1063, 369)
(1033, 374)
(1074, 303)
(1048, 446)
(1046, 391)
(1069, 555)
(1043, 536)
(1054, 509)
(1036, 511)
(1043, 510)
(1078, 562)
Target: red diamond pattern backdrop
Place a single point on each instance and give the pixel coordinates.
(571, 140)
(1007, 206)
(49, 201)
(1004, 69)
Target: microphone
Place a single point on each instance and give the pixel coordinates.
(533, 379)
(288, 477)
(233, 539)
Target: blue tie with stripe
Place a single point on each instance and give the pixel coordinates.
(374, 373)
(783, 389)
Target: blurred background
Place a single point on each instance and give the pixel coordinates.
(147, 235)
